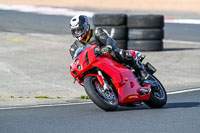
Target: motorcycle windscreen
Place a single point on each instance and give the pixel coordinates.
(80, 50)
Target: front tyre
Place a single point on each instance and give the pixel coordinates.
(158, 96)
(106, 100)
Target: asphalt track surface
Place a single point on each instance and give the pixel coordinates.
(181, 113)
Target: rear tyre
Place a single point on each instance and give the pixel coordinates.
(158, 96)
(107, 100)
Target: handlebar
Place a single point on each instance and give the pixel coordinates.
(101, 50)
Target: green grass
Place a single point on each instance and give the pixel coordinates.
(84, 97)
(16, 40)
(41, 97)
(44, 97)
(0, 96)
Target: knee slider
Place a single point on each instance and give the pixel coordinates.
(128, 55)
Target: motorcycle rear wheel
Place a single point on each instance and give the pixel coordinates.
(107, 100)
(158, 96)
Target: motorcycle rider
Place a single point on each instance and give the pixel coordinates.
(80, 29)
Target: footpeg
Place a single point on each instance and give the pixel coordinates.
(144, 91)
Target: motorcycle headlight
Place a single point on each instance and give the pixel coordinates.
(79, 67)
(76, 61)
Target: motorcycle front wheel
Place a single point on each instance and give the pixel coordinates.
(106, 100)
(158, 96)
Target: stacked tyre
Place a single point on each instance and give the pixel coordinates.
(145, 32)
(114, 25)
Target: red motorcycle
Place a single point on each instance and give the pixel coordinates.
(109, 83)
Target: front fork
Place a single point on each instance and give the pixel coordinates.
(105, 85)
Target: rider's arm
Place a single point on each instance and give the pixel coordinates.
(103, 38)
(73, 48)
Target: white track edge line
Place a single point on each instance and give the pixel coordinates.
(45, 105)
(183, 91)
(82, 103)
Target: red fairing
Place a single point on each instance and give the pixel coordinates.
(85, 64)
(123, 79)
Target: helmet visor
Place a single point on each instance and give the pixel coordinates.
(77, 32)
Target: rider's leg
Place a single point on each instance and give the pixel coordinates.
(131, 58)
(128, 56)
(137, 56)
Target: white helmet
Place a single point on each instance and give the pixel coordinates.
(79, 26)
